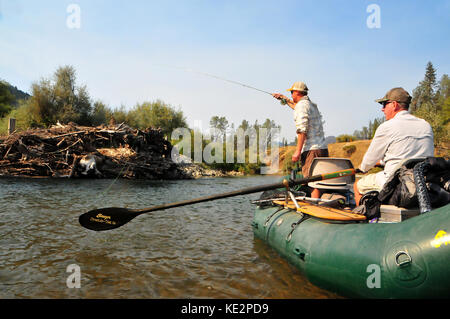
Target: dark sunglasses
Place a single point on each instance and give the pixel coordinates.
(385, 103)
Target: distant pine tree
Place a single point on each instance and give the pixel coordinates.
(431, 101)
(425, 92)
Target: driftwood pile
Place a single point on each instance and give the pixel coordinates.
(73, 151)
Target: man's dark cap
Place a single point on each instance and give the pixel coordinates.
(399, 95)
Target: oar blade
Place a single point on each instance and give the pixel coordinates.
(106, 218)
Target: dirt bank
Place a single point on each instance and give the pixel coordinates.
(353, 150)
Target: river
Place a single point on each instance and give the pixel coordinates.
(205, 250)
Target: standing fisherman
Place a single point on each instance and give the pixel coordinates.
(308, 121)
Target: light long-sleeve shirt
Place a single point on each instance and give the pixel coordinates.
(402, 137)
(308, 120)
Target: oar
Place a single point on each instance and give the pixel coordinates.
(114, 217)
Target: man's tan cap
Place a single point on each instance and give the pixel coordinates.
(298, 86)
(396, 94)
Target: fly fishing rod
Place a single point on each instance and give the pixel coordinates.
(227, 80)
(224, 79)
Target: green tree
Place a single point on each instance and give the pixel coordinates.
(60, 99)
(6, 99)
(271, 128)
(120, 115)
(219, 126)
(101, 114)
(443, 98)
(345, 138)
(362, 134)
(431, 101)
(374, 126)
(437, 112)
(41, 104)
(24, 118)
(425, 92)
(244, 125)
(157, 115)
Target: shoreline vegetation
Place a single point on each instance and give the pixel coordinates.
(114, 151)
(71, 151)
(141, 146)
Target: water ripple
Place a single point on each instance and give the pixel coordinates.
(205, 250)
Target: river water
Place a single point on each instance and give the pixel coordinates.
(205, 250)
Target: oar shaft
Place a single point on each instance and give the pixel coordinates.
(250, 190)
(114, 217)
(245, 191)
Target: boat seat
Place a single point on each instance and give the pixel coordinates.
(395, 214)
(323, 165)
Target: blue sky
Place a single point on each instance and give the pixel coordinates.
(127, 53)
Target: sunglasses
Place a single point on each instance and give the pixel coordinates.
(385, 103)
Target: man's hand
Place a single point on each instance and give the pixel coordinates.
(284, 100)
(296, 157)
(379, 164)
(279, 96)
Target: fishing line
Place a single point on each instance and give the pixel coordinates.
(216, 77)
(103, 194)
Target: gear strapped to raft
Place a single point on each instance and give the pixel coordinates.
(422, 183)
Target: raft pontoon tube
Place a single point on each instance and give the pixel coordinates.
(409, 259)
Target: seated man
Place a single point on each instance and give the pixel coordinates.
(402, 136)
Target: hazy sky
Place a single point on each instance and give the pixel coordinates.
(127, 52)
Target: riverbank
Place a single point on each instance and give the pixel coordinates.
(198, 171)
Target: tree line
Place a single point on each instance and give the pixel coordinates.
(220, 128)
(242, 148)
(60, 99)
(430, 101)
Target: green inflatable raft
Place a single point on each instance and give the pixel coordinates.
(408, 259)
